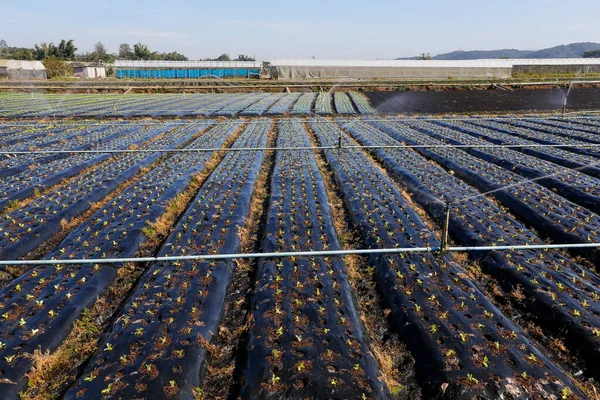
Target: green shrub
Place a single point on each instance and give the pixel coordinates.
(57, 68)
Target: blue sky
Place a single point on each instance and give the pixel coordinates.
(324, 29)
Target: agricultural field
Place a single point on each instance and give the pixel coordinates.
(19, 105)
(101, 220)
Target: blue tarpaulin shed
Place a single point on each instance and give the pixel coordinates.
(126, 69)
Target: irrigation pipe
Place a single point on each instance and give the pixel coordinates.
(230, 149)
(323, 253)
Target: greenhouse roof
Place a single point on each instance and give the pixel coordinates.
(187, 64)
(19, 64)
(492, 63)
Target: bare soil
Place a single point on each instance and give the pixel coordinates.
(479, 101)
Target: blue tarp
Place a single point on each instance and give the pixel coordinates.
(185, 73)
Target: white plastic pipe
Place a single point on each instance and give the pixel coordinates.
(319, 253)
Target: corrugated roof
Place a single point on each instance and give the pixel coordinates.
(78, 64)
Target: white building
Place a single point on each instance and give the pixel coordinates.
(89, 70)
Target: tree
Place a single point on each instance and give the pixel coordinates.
(141, 52)
(22, 54)
(223, 57)
(424, 56)
(173, 56)
(44, 51)
(243, 57)
(57, 68)
(67, 49)
(125, 52)
(100, 50)
(592, 54)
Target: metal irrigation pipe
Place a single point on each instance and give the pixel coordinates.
(339, 147)
(318, 253)
(445, 229)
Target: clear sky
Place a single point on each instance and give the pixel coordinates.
(304, 28)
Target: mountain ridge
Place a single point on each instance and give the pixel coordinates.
(572, 50)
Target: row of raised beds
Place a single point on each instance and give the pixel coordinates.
(569, 123)
(578, 146)
(556, 155)
(534, 125)
(549, 213)
(573, 185)
(159, 343)
(284, 105)
(306, 339)
(79, 138)
(235, 108)
(558, 292)
(462, 344)
(155, 330)
(260, 107)
(587, 122)
(21, 106)
(41, 174)
(26, 228)
(21, 133)
(50, 298)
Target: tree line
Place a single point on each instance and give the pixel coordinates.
(592, 54)
(66, 51)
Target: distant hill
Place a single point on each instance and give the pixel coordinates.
(479, 54)
(573, 50)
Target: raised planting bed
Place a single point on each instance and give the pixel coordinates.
(361, 102)
(284, 105)
(305, 104)
(323, 103)
(343, 104)
(306, 338)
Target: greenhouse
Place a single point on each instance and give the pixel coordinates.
(126, 69)
(22, 70)
(426, 69)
